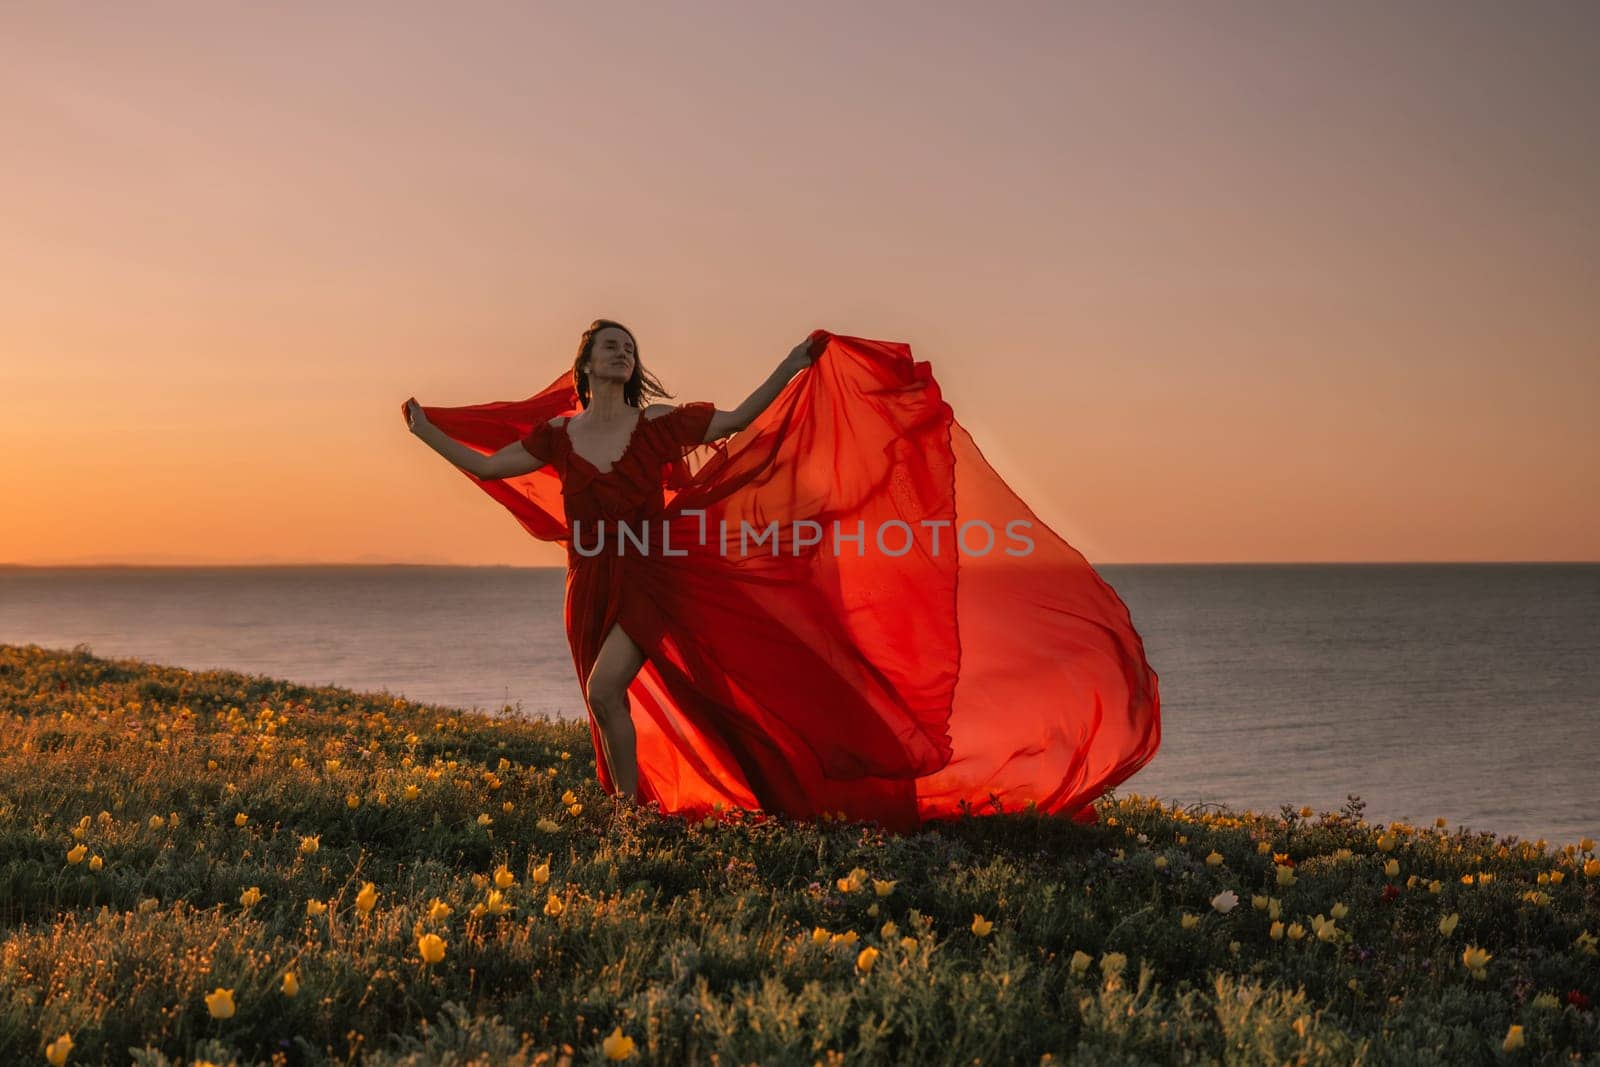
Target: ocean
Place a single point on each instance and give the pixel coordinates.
(1468, 691)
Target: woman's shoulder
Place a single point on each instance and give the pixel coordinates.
(675, 426)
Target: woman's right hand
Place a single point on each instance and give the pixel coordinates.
(415, 419)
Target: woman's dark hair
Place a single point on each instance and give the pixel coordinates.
(640, 385)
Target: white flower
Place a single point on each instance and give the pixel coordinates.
(1144, 839)
(1225, 901)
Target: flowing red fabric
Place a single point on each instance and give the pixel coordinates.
(896, 636)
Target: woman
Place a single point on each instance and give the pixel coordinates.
(775, 622)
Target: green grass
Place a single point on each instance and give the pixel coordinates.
(725, 941)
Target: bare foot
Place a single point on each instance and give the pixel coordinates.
(623, 802)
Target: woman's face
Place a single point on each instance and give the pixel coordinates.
(612, 357)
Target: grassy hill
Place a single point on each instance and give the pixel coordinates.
(237, 869)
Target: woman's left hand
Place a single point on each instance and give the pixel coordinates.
(801, 356)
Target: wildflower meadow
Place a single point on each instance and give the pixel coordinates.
(233, 869)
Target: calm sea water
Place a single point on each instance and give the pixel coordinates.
(1469, 691)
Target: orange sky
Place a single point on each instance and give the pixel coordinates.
(1204, 283)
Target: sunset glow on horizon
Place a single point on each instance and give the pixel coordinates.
(1203, 284)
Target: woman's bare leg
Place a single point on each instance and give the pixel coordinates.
(607, 692)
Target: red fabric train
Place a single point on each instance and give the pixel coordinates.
(896, 636)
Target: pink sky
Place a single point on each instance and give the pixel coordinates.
(1205, 282)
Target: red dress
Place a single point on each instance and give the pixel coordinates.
(895, 635)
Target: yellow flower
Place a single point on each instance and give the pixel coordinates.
(1586, 943)
(566, 755)
(1447, 924)
(331, 764)
(240, 819)
(576, 809)
(1258, 902)
(1391, 868)
(432, 948)
(507, 807)
(849, 937)
(1161, 863)
(503, 877)
(888, 930)
(157, 822)
(569, 797)
(617, 1045)
(883, 888)
(1080, 961)
(818, 935)
(250, 896)
(1545, 1000)
(1285, 875)
(1339, 910)
(553, 905)
(1386, 842)
(541, 873)
(547, 824)
(1276, 931)
(1325, 929)
(1189, 921)
(438, 910)
(1557, 877)
(57, 1050)
(1214, 859)
(1587, 844)
(76, 853)
(852, 881)
(873, 911)
(484, 820)
(1263, 846)
(867, 957)
(219, 1003)
(1434, 887)
(1513, 1039)
(366, 898)
(1306, 812)
(352, 800)
(496, 904)
(95, 863)
(291, 984)
(908, 944)
(1112, 963)
(315, 907)
(309, 845)
(1296, 931)
(411, 792)
(1591, 868)
(1274, 908)
(1476, 959)
(980, 925)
